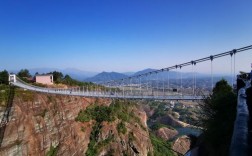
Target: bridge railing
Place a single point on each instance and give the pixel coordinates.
(239, 143)
(101, 94)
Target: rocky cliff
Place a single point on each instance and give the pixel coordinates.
(43, 124)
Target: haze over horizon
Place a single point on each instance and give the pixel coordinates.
(123, 36)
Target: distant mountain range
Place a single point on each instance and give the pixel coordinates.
(107, 76)
(144, 71)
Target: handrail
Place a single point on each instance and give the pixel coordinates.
(25, 85)
(239, 143)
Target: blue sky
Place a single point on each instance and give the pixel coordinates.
(122, 35)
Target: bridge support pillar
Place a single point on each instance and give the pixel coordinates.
(12, 78)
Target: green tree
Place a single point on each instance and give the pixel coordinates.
(217, 118)
(24, 73)
(4, 77)
(68, 80)
(57, 76)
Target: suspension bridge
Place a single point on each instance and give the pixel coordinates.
(151, 85)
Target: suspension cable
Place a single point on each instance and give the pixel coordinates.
(192, 62)
(211, 57)
(140, 86)
(232, 81)
(180, 80)
(195, 78)
(157, 84)
(147, 83)
(177, 77)
(168, 81)
(123, 86)
(131, 86)
(234, 52)
(163, 78)
(152, 84)
(204, 59)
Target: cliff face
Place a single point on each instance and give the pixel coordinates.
(43, 124)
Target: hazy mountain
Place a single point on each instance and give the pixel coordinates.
(174, 74)
(106, 76)
(128, 73)
(144, 71)
(164, 75)
(78, 74)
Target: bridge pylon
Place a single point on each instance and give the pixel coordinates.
(12, 78)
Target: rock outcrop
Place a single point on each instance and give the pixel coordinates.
(166, 133)
(182, 144)
(169, 120)
(42, 123)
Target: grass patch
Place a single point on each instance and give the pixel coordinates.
(83, 129)
(49, 99)
(161, 147)
(98, 113)
(92, 149)
(121, 128)
(25, 95)
(131, 137)
(105, 142)
(4, 93)
(53, 151)
(43, 113)
(157, 126)
(117, 110)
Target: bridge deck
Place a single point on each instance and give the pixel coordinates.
(102, 94)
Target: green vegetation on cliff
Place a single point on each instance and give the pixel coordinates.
(4, 93)
(4, 88)
(53, 151)
(121, 128)
(161, 147)
(117, 110)
(97, 113)
(157, 126)
(25, 95)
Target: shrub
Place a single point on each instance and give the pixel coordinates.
(157, 126)
(217, 118)
(161, 147)
(98, 113)
(121, 128)
(53, 151)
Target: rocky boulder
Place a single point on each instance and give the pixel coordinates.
(166, 133)
(182, 144)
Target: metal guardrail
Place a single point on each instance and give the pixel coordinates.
(239, 143)
(22, 84)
